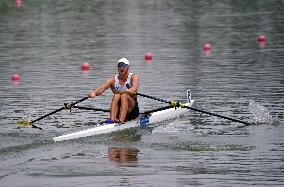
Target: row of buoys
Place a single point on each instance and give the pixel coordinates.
(85, 67)
(208, 47)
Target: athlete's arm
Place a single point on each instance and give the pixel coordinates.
(98, 91)
(135, 85)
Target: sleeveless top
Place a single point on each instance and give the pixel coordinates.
(125, 86)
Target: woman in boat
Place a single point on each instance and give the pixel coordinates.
(124, 85)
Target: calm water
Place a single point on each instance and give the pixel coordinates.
(45, 42)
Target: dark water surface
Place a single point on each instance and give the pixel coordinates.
(45, 42)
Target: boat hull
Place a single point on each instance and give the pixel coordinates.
(105, 128)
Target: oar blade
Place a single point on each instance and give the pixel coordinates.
(26, 123)
(23, 122)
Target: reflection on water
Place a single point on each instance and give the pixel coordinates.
(128, 135)
(124, 156)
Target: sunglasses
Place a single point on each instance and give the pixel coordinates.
(122, 65)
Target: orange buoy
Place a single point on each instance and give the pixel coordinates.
(16, 77)
(148, 56)
(85, 66)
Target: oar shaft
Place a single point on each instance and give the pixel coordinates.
(154, 98)
(91, 108)
(196, 109)
(156, 110)
(55, 111)
(47, 115)
(217, 115)
(79, 101)
(36, 127)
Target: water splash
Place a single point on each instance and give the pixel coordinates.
(260, 113)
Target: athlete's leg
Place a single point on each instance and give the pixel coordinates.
(127, 104)
(115, 107)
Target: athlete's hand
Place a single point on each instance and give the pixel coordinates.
(130, 92)
(92, 94)
(116, 92)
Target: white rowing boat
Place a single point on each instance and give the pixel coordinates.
(143, 120)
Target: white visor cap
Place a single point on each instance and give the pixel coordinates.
(123, 62)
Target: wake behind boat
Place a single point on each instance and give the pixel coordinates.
(151, 117)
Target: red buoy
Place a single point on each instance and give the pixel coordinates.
(148, 56)
(15, 77)
(261, 38)
(18, 3)
(207, 47)
(85, 66)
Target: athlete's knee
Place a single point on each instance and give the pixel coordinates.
(116, 97)
(124, 97)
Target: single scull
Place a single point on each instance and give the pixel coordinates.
(142, 120)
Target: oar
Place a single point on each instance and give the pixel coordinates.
(107, 110)
(177, 104)
(91, 108)
(156, 110)
(66, 106)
